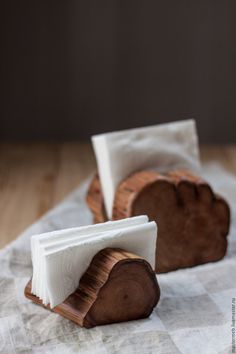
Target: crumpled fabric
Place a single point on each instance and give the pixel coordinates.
(194, 315)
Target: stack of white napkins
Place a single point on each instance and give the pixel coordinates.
(161, 147)
(61, 257)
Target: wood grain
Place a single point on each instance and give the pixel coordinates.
(193, 222)
(34, 177)
(117, 286)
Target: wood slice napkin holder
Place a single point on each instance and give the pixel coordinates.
(192, 220)
(117, 286)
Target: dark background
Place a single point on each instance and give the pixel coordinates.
(70, 69)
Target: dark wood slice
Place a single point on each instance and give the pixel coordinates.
(118, 286)
(95, 201)
(192, 220)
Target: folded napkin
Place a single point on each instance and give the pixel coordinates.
(61, 258)
(162, 147)
(55, 240)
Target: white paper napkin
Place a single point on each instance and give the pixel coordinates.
(61, 258)
(54, 240)
(162, 147)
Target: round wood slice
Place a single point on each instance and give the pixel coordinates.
(192, 220)
(117, 286)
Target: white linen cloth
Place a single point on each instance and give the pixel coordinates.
(194, 315)
(162, 147)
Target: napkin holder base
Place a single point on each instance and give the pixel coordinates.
(117, 286)
(193, 222)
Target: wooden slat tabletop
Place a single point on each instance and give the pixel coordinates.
(34, 177)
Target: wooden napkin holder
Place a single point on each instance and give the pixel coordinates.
(192, 220)
(117, 286)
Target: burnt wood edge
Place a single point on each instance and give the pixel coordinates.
(132, 186)
(79, 305)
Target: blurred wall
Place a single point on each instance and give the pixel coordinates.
(73, 68)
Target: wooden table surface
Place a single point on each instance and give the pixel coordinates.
(34, 177)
